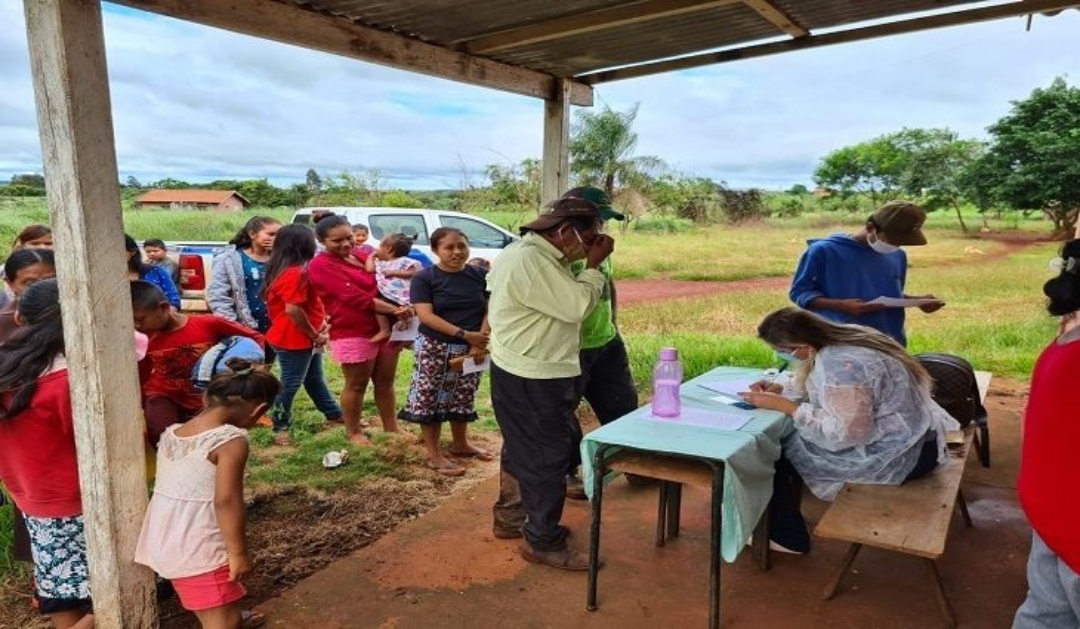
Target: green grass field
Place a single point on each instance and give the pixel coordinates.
(994, 316)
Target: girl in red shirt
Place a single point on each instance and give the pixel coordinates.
(348, 292)
(38, 462)
(1049, 485)
(298, 328)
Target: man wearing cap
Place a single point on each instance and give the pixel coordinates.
(839, 275)
(536, 309)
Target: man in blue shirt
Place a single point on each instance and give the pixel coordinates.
(839, 275)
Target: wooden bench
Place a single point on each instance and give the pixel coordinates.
(912, 518)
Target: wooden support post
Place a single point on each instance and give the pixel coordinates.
(556, 143)
(67, 57)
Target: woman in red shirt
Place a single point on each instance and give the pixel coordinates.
(1049, 484)
(298, 328)
(348, 292)
(38, 463)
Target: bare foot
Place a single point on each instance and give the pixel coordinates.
(469, 450)
(380, 337)
(360, 440)
(445, 467)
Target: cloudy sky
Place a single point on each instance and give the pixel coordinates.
(196, 103)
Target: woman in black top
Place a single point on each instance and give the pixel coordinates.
(450, 298)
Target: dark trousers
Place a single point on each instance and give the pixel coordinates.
(160, 413)
(301, 368)
(786, 524)
(605, 381)
(538, 424)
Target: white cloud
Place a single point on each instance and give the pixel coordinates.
(198, 103)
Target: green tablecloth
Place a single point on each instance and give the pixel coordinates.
(748, 453)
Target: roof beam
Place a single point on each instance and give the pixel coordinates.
(778, 17)
(290, 24)
(956, 18)
(586, 22)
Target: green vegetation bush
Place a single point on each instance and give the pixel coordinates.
(662, 225)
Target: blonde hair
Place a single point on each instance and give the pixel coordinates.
(794, 326)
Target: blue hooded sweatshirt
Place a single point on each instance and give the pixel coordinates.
(841, 267)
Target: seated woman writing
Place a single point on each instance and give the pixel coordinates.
(862, 414)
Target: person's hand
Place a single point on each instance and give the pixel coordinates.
(477, 354)
(477, 339)
(239, 566)
(404, 313)
(599, 250)
(928, 308)
(856, 307)
(321, 339)
(766, 386)
(770, 401)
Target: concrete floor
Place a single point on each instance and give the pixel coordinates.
(446, 570)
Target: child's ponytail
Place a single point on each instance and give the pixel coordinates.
(32, 349)
(245, 380)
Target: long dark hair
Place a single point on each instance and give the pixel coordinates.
(31, 350)
(135, 262)
(443, 232)
(24, 258)
(293, 246)
(794, 326)
(1063, 291)
(242, 381)
(255, 224)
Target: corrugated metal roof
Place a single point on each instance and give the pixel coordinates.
(451, 23)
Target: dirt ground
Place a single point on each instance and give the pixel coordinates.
(294, 533)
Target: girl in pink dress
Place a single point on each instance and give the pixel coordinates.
(194, 530)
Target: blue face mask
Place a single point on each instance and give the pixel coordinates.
(788, 358)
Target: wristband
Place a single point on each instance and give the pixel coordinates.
(460, 334)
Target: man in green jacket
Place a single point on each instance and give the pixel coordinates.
(536, 310)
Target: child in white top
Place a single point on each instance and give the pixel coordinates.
(393, 271)
(194, 530)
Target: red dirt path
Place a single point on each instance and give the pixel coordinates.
(644, 291)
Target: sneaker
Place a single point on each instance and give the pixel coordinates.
(565, 559)
(575, 489)
(501, 532)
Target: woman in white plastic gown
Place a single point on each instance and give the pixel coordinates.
(862, 413)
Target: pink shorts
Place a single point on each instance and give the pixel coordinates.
(360, 350)
(208, 590)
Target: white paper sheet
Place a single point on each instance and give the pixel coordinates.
(896, 302)
(718, 420)
(730, 388)
(406, 332)
(470, 367)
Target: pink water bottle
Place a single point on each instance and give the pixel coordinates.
(667, 376)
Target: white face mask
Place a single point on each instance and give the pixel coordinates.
(879, 245)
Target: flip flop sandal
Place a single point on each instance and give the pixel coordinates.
(249, 619)
(480, 454)
(452, 470)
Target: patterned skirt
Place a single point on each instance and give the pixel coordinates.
(61, 571)
(437, 393)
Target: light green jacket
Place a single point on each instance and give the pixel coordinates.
(536, 309)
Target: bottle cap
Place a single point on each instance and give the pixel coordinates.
(669, 353)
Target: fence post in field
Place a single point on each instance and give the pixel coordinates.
(556, 158)
(67, 58)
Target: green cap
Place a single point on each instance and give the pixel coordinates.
(597, 197)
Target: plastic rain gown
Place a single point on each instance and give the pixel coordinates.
(862, 419)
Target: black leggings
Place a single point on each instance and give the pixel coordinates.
(786, 524)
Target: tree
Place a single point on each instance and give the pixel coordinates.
(33, 180)
(930, 164)
(515, 185)
(133, 183)
(602, 151)
(868, 167)
(313, 181)
(1033, 162)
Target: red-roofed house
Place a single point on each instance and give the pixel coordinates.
(220, 200)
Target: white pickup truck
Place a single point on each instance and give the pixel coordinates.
(486, 240)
